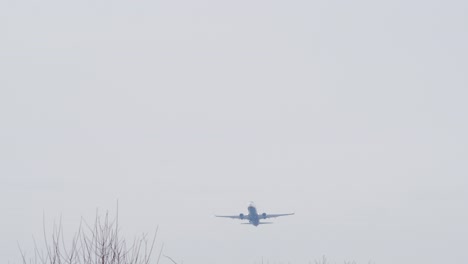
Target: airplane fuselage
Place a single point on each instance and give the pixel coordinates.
(254, 219)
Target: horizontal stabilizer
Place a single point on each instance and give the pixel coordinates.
(261, 223)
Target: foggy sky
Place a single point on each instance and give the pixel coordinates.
(352, 114)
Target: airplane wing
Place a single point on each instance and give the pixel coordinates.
(233, 217)
(273, 215)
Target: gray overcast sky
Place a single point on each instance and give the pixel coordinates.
(353, 114)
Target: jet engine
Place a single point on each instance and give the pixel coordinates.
(241, 216)
(264, 215)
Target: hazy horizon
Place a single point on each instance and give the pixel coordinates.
(350, 114)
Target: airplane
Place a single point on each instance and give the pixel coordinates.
(253, 217)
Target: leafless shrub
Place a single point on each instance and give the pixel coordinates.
(173, 261)
(322, 261)
(99, 243)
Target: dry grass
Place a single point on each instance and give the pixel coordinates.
(100, 243)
